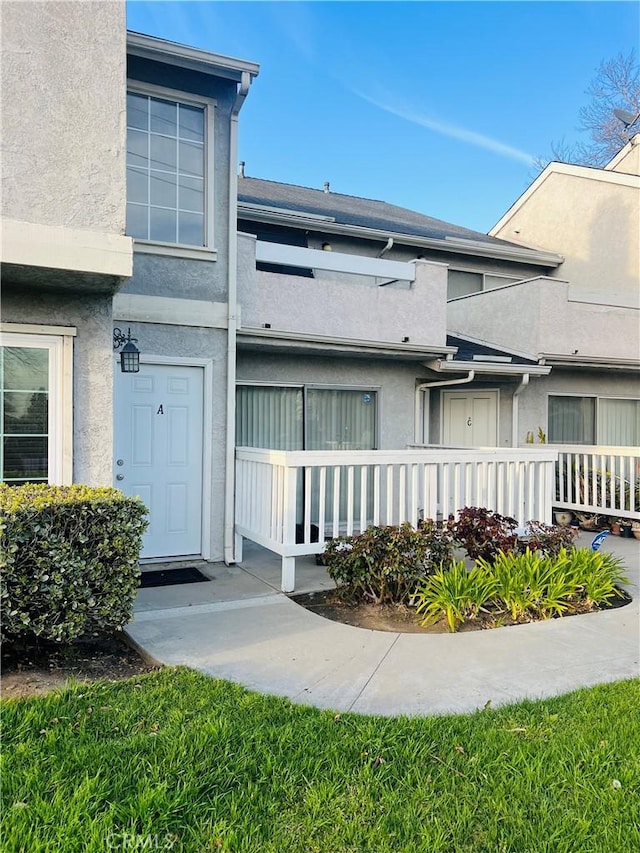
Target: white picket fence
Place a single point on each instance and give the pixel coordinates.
(289, 501)
(599, 480)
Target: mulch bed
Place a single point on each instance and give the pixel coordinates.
(402, 619)
(36, 668)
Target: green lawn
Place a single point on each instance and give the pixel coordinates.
(176, 761)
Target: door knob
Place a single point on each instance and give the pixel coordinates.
(119, 476)
(119, 461)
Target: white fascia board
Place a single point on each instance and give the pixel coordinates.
(173, 53)
(622, 153)
(459, 246)
(585, 172)
(296, 256)
(561, 360)
(250, 207)
(59, 247)
(139, 308)
(274, 337)
(486, 367)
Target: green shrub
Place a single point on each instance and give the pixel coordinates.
(385, 564)
(69, 559)
(455, 593)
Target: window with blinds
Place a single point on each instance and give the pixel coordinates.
(594, 420)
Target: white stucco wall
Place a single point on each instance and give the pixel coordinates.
(63, 113)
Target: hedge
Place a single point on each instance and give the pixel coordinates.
(69, 558)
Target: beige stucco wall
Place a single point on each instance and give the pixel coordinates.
(592, 218)
(545, 316)
(63, 113)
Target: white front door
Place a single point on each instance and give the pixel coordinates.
(470, 418)
(158, 453)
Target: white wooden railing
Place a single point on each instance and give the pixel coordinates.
(289, 501)
(600, 480)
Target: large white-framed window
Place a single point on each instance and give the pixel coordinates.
(584, 419)
(310, 417)
(169, 170)
(36, 420)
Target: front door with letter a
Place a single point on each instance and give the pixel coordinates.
(158, 453)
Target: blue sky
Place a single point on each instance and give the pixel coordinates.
(439, 107)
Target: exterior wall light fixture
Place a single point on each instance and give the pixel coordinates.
(130, 354)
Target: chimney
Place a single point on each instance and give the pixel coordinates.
(326, 186)
(241, 175)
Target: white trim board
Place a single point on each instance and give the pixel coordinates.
(138, 308)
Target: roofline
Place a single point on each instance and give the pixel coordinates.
(373, 348)
(622, 153)
(481, 342)
(562, 360)
(192, 58)
(499, 368)
(458, 246)
(588, 172)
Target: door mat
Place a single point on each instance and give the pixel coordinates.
(172, 577)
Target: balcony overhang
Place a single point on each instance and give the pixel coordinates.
(64, 258)
(492, 368)
(292, 343)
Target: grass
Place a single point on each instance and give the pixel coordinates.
(176, 761)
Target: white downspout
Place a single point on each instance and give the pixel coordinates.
(515, 411)
(420, 389)
(232, 325)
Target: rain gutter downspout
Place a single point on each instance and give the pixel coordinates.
(232, 325)
(420, 389)
(515, 412)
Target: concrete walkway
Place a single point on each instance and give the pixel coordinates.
(249, 633)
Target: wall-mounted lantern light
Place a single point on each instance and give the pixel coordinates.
(130, 354)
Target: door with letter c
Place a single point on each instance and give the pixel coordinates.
(470, 419)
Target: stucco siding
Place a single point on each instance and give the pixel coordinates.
(396, 384)
(209, 344)
(63, 145)
(599, 383)
(92, 371)
(593, 223)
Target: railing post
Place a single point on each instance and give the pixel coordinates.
(289, 527)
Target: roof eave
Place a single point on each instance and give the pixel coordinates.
(257, 213)
(484, 367)
(194, 59)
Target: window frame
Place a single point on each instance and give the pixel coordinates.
(596, 398)
(320, 386)
(59, 344)
(509, 279)
(184, 250)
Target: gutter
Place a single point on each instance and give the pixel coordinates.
(420, 389)
(515, 412)
(452, 366)
(232, 325)
(489, 250)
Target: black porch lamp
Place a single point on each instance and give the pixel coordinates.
(130, 354)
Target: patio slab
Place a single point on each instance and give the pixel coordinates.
(270, 644)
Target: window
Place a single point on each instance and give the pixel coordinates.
(167, 170)
(465, 282)
(593, 420)
(32, 411)
(312, 418)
